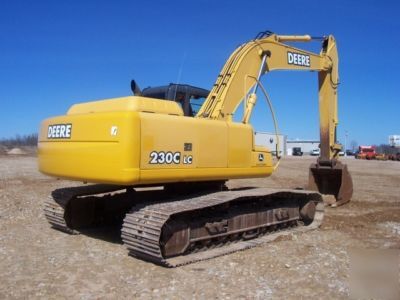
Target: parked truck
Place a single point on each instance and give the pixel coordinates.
(366, 152)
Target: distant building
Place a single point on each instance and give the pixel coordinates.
(306, 145)
(394, 140)
(269, 140)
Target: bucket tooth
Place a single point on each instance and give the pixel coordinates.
(331, 179)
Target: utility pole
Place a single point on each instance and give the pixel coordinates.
(345, 143)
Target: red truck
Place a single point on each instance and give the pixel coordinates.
(366, 152)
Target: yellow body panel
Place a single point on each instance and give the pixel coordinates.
(128, 141)
(131, 103)
(167, 133)
(92, 153)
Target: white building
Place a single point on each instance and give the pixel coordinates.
(306, 146)
(394, 140)
(269, 140)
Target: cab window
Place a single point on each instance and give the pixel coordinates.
(195, 103)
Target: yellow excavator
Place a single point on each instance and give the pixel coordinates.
(128, 146)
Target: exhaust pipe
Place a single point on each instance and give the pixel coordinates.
(135, 88)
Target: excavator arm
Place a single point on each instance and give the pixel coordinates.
(240, 78)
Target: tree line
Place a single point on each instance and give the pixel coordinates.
(20, 140)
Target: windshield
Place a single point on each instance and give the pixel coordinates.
(195, 103)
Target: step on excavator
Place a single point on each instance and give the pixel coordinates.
(161, 165)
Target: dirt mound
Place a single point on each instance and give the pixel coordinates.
(16, 151)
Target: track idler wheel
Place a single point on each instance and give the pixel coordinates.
(307, 212)
(331, 178)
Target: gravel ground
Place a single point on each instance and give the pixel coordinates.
(39, 262)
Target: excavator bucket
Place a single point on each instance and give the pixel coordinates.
(333, 179)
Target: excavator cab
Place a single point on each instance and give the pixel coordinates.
(190, 98)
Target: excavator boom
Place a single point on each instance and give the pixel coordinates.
(267, 53)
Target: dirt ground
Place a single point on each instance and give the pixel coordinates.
(39, 262)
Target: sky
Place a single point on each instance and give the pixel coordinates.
(57, 53)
